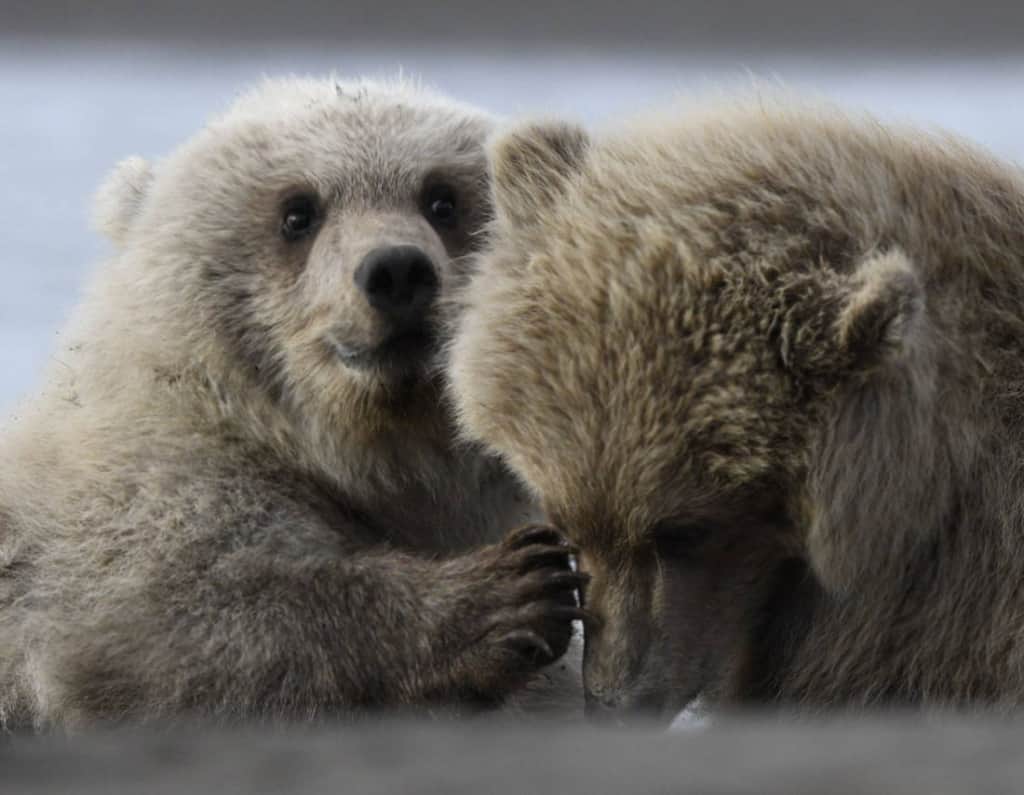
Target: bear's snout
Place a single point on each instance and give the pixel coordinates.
(400, 282)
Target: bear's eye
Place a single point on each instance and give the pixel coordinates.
(674, 540)
(440, 207)
(299, 216)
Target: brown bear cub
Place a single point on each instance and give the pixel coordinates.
(765, 366)
(239, 494)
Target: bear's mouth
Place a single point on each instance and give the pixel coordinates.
(405, 350)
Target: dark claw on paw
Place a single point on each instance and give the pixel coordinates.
(538, 556)
(536, 534)
(530, 643)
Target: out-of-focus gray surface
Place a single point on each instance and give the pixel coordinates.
(871, 757)
(84, 84)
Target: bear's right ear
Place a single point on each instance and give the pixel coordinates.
(119, 199)
(531, 167)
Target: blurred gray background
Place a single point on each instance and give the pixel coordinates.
(85, 84)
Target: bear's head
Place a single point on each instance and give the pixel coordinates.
(691, 389)
(297, 252)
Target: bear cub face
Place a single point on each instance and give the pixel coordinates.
(317, 226)
(659, 378)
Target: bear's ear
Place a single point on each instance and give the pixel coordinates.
(879, 476)
(844, 324)
(119, 199)
(531, 167)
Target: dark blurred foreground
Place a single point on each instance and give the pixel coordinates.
(867, 756)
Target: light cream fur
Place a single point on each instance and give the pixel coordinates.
(202, 510)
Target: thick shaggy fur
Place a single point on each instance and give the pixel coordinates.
(765, 365)
(207, 512)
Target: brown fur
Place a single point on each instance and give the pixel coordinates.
(764, 365)
(206, 512)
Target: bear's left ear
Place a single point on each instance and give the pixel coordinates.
(838, 325)
(119, 199)
(531, 167)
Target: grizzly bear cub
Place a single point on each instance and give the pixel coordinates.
(765, 366)
(239, 494)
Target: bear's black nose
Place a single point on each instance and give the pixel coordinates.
(399, 281)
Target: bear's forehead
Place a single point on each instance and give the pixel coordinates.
(277, 98)
(364, 125)
(374, 114)
(379, 148)
(396, 131)
(657, 386)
